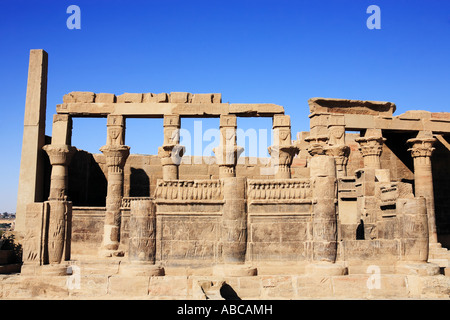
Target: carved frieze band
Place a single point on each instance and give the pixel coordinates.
(279, 189)
(189, 190)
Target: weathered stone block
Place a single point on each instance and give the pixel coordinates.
(179, 97)
(128, 286)
(202, 98)
(249, 287)
(77, 96)
(130, 98)
(174, 286)
(105, 98)
(313, 286)
(277, 286)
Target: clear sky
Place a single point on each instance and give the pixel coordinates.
(251, 51)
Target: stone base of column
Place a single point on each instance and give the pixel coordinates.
(140, 268)
(234, 270)
(326, 269)
(60, 269)
(417, 268)
(105, 253)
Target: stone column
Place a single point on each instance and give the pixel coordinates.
(142, 240)
(282, 152)
(171, 151)
(371, 147)
(324, 220)
(414, 245)
(414, 231)
(421, 151)
(58, 218)
(234, 230)
(116, 154)
(323, 182)
(227, 153)
(234, 212)
(234, 221)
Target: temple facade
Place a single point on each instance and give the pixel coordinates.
(362, 190)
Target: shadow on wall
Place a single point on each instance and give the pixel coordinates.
(441, 187)
(87, 182)
(139, 183)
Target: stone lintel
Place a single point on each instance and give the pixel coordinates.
(158, 110)
(404, 122)
(347, 106)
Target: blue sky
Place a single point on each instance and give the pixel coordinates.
(251, 51)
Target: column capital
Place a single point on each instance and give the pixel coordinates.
(59, 154)
(421, 146)
(281, 157)
(371, 146)
(171, 154)
(115, 125)
(317, 144)
(227, 155)
(116, 156)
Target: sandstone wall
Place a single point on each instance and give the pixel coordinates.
(276, 231)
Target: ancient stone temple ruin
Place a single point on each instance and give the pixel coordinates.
(356, 207)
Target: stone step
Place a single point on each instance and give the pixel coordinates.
(443, 263)
(364, 286)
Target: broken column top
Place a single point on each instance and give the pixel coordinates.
(185, 104)
(328, 105)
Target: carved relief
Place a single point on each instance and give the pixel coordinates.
(189, 190)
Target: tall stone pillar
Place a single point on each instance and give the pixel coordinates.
(31, 176)
(234, 212)
(283, 151)
(234, 221)
(171, 151)
(371, 147)
(324, 219)
(116, 154)
(421, 151)
(323, 181)
(234, 230)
